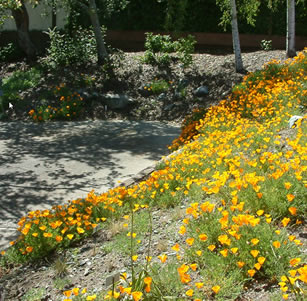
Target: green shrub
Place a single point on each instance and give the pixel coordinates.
(159, 47)
(67, 50)
(185, 48)
(266, 45)
(159, 43)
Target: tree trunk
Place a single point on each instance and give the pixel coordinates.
(235, 37)
(21, 18)
(101, 48)
(291, 28)
(270, 24)
(53, 14)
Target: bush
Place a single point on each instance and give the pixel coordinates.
(67, 50)
(159, 47)
(186, 47)
(266, 45)
(10, 53)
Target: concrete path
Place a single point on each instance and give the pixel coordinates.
(50, 163)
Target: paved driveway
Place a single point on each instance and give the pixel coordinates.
(50, 163)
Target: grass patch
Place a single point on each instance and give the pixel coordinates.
(122, 235)
(34, 294)
(60, 283)
(17, 83)
(157, 86)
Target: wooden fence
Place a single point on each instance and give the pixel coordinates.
(134, 40)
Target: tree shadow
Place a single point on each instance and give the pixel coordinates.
(45, 164)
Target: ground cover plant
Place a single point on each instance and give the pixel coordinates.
(240, 174)
(157, 86)
(17, 83)
(68, 107)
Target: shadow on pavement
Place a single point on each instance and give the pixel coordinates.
(45, 164)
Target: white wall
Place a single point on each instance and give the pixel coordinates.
(40, 18)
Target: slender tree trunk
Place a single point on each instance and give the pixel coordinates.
(21, 18)
(101, 48)
(291, 28)
(53, 14)
(270, 24)
(235, 37)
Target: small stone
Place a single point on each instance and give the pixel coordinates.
(183, 83)
(86, 272)
(201, 91)
(177, 95)
(116, 101)
(112, 279)
(169, 107)
(83, 261)
(86, 95)
(85, 248)
(162, 96)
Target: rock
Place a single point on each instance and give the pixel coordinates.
(178, 95)
(84, 261)
(110, 280)
(201, 91)
(294, 119)
(116, 101)
(183, 83)
(86, 95)
(225, 93)
(85, 248)
(86, 271)
(169, 107)
(162, 97)
(95, 94)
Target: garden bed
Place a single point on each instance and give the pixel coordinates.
(171, 101)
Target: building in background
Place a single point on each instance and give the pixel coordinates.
(40, 17)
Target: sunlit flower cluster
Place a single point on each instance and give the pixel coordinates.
(68, 107)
